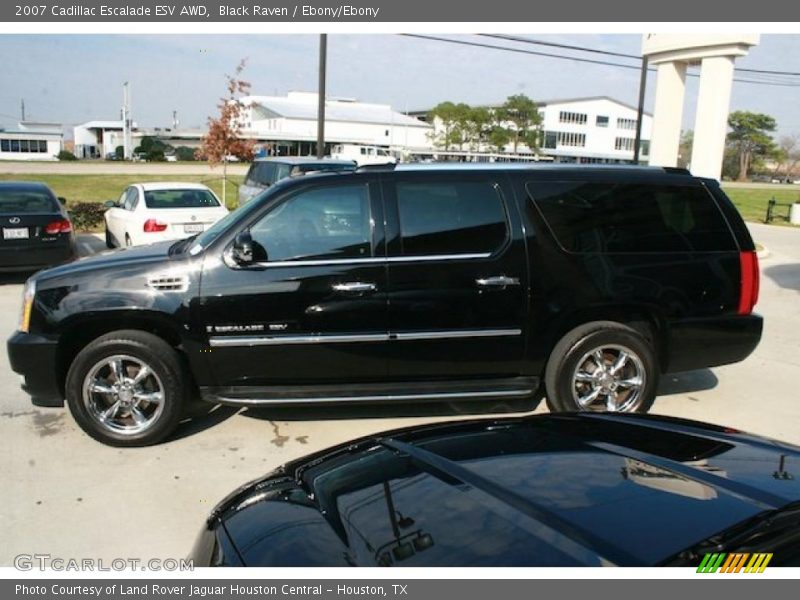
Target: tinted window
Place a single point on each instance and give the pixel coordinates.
(23, 201)
(328, 222)
(631, 217)
(260, 173)
(180, 199)
(450, 218)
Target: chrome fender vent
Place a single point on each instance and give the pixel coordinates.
(168, 283)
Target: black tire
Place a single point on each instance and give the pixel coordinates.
(130, 347)
(575, 350)
(109, 240)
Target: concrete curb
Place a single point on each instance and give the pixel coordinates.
(763, 253)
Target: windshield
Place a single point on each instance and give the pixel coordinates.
(180, 198)
(26, 202)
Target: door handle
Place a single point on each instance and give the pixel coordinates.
(354, 287)
(498, 281)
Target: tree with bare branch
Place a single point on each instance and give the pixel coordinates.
(224, 138)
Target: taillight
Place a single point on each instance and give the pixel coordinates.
(154, 226)
(748, 292)
(60, 226)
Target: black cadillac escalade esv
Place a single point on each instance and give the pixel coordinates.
(419, 283)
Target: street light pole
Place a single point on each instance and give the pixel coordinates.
(323, 50)
(637, 143)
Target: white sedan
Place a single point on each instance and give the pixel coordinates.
(155, 212)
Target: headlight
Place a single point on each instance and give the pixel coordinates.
(28, 294)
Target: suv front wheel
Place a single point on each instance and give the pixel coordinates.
(126, 389)
(602, 366)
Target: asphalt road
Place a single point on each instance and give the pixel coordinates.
(64, 494)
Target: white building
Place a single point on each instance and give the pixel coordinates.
(32, 141)
(595, 129)
(97, 139)
(288, 124)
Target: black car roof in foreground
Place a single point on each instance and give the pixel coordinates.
(527, 166)
(676, 482)
(21, 186)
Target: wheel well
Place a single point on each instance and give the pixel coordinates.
(79, 335)
(644, 321)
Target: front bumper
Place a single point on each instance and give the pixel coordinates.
(711, 342)
(34, 357)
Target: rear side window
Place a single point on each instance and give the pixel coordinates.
(450, 218)
(631, 217)
(261, 174)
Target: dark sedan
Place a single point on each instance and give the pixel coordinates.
(37, 232)
(549, 490)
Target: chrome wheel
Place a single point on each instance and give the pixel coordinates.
(123, 394)
(609, 378)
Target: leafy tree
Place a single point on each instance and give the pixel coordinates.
(224, 137)
(184, 153)
(152, 148)
(525, 122)
(750, 140)
(787, 155)
(453, 119)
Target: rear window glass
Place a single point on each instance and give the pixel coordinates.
(27, 202)
(179, 199)
(266, 173)
(631, 217)
(450, 218)
(310, 167)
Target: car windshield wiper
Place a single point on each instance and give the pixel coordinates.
(764, 531)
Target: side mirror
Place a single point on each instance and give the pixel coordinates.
(109, 204)
(62, 200)
(242, 251)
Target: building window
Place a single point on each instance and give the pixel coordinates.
(624, 143)
(626, 123)
(572, 117)
(568, 138)
(602, 121)
(550, 139)
(25, 146)
(645, 148)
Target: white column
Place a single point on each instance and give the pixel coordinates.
(668, 114)
(711, 124)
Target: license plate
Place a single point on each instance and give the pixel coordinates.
(15, 233)
(193, 228)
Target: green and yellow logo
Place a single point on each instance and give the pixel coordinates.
(736, 562)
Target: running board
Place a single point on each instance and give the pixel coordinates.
(517, 387)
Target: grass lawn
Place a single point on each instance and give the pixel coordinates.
(752, 202)
(99, 188)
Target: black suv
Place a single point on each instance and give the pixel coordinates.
(419, 283)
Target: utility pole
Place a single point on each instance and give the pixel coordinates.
(126, 122)
(22, 108)
(175, 122)
(323, 51)
(637, 143)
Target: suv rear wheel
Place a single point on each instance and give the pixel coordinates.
(602, 366)
(126, 389)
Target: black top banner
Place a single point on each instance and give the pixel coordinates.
(329, 11)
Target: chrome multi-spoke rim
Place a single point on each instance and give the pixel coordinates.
(123, 394)
(609, 378)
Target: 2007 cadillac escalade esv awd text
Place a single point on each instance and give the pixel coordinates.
(418, 283)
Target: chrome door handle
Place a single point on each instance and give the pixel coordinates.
(354, 287)
(497, 281)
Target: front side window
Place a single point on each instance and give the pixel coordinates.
(448, 218)
(595, 217)
(331, 222)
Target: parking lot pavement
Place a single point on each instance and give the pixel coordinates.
(69, 496)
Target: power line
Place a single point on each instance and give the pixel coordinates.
(576, 58)
(513, 38)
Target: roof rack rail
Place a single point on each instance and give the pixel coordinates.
(389, 166)
(677, 170)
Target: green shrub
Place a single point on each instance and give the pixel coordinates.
(184, 153)
(86, 216)
(66, 155)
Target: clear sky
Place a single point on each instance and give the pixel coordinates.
(76, 78)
